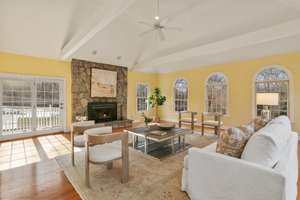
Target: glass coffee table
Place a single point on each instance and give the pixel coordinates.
(159, 143)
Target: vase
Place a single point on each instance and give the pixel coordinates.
(147, 127)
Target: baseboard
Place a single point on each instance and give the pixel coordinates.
(67, 130)
(136, 121)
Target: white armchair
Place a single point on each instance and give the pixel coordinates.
(77, 130)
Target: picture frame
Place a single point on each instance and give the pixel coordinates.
(103, 83)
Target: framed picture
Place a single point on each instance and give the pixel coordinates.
(103, 83)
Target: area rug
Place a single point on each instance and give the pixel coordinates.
(148, 179)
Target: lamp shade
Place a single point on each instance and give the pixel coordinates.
(270, 99)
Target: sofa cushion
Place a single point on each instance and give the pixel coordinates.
(267, 145)
(233, 141)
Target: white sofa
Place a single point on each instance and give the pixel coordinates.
(208, 175)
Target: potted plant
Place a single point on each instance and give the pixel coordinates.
(155, 99)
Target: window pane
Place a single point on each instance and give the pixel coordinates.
(180, 95)
(216, 93)
(142, 91)
(273, 80)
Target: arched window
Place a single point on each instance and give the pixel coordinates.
(216, 93)
(273, 80)
(181, 94)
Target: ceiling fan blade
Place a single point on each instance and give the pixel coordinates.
(160, 35)
(165, 21)
(145, 32)
(173, 28)
(146, 24)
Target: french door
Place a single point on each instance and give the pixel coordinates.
(31, 106)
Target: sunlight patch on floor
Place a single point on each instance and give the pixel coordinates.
(54, 145)
(22, 152)
(18, 153)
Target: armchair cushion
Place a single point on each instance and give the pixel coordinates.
(212, 123)
(79, 141)
(187, 120)
(105, 152)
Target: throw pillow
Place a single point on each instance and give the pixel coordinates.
(259, 122)
(234, 140)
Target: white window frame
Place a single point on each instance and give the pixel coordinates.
(291, 105)
(136, 96)
(188, 93)
(227, 93)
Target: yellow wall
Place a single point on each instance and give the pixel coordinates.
(240, 76)
(134, 78)
(17, 64)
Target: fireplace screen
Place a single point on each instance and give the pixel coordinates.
(102, 112)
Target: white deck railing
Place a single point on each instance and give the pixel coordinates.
(19, 120)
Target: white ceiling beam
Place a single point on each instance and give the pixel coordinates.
(108, 11)
(253, 38)
(292, 4)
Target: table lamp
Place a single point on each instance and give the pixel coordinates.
(267, 99)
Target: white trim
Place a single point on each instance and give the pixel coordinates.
(173, 96)
(227, 114)
(290, 89)
(25, 135)
(136, 101)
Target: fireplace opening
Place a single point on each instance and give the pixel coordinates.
(102, 111)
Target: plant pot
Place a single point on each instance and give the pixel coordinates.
(156, 119)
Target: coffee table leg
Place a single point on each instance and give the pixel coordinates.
(146, 145)
(133, 141)
(183, 141)
(172, 146)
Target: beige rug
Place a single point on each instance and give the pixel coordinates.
(149, 178)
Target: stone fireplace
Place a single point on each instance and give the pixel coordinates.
(102, 111)
(81, 91)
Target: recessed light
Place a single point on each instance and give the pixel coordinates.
(94, 52)
(156, 17)
(119, 57)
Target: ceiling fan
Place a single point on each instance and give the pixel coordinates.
(159, 26)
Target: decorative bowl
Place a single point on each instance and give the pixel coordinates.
(165, 126)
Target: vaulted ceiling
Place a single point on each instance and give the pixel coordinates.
(213, 31)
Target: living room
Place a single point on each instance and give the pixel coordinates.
(204, 56)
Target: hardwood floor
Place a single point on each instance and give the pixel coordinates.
(28, 169)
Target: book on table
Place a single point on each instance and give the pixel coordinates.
(158, 132)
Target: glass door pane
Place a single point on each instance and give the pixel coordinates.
(48, 105)
(16, 106)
